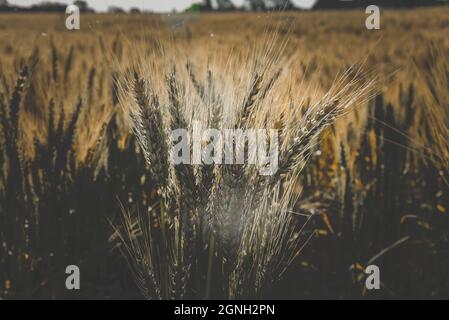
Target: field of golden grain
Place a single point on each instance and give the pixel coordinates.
(364, 157)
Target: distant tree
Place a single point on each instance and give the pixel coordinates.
(255, 5)
(222, 5)
(115, 10)
(3, 3)
(48, 7)
(82, 5)
(207, 5)
(196, 7)
(212, 5)
(262, 5)
(278, 4)
(324, 4)
(134, 10)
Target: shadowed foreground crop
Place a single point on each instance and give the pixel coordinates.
(86, 179)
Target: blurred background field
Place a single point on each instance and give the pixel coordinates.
(377, 183)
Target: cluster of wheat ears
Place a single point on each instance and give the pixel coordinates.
(223, 230)
(373, 185)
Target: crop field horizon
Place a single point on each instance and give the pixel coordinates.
(361, 124)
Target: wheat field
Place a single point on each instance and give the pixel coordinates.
(85, 178)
